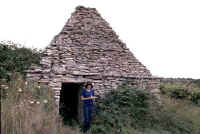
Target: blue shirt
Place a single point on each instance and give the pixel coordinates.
(87, 94)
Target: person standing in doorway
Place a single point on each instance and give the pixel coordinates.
(88, 97)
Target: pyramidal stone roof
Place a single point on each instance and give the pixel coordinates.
(87, 45)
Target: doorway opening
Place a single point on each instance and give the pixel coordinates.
(70, 107)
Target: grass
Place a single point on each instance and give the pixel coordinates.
(29, 108)
(181, 91)
(130, 111)
(185, 110)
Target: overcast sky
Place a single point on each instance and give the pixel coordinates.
(163, 34)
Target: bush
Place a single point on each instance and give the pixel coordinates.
(181, 92)
(194, 96)
(14, 58)
(29, 108)
(128, 110)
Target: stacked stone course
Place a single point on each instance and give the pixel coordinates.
(87, 49)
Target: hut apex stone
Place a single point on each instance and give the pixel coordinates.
(87, 49)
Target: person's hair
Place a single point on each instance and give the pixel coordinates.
(88, 85)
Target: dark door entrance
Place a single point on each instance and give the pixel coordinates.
(70, 105)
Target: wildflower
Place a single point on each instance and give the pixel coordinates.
(26, 83)
(19, 90)
(4, 86)
(45, 101)
(37, 102)
(31, 102)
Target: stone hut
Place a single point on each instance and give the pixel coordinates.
(88, 50)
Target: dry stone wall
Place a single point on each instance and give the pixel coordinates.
(87, 49)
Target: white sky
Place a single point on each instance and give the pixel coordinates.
(163, 34)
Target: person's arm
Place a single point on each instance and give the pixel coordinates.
(83, 98)
(93, 95)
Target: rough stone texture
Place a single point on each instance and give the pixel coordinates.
(87, 49)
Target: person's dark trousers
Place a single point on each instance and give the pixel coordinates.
(88, 109)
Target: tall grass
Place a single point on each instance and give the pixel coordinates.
(184, 110)
(181, 91)
(29, 108)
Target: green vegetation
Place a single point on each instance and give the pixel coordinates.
(14, 58)
(135, 111)
(29, 108)
(178, 91)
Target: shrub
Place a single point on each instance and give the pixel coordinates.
(128, 110)
(194, 96)
(181, 92)
(14, 58)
